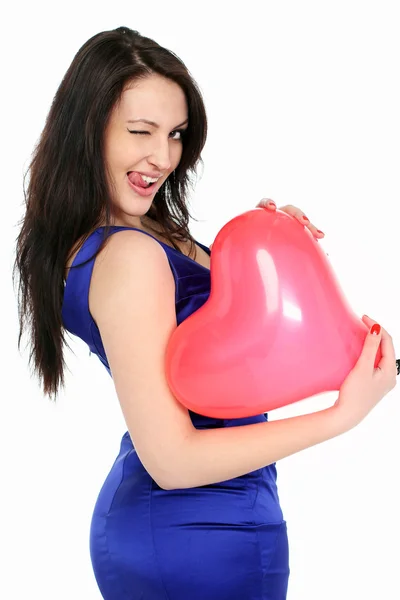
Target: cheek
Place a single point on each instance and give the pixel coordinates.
(177, 155)
(113, 160)
(119, 153)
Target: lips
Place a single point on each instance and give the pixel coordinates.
(144, 191)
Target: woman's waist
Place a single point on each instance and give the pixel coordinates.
(248, 498)
(265, 477)
(267, 473)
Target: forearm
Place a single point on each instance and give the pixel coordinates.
(214, 455)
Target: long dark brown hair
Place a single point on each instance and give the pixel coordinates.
(68, 195)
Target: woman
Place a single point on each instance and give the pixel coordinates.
(190, 507)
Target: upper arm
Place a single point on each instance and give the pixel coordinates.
(132, 299)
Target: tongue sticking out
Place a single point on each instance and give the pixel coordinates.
(137, 179)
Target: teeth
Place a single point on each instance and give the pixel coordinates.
(149, 179)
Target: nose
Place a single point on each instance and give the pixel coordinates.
(161, 155)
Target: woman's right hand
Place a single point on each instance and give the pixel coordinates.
(365, 386)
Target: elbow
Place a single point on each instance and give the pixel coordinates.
(169, 487)
(166, 486)
(171, 468)
(162, 481)
(171, 480)
(164, 478)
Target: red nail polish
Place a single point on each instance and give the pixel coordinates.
(305, 218)
(376, 329)
(319, 231)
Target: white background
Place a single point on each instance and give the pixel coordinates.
(303, 103)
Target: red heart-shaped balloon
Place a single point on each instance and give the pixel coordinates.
(275, 329)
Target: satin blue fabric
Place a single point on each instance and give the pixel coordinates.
(225, 541)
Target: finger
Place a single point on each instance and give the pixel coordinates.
(388, 360)
(303, 219)
(267, 203)
(368, 321)
(370, 348)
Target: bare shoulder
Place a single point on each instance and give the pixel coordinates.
(132, 288)
(129, 259)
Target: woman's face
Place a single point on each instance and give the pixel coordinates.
(151, 149)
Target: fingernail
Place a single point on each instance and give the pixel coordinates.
(375, 329)
(305, 218)
(319, 231)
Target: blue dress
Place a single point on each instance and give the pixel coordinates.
(224, 541)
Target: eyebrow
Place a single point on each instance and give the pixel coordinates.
(153, 123)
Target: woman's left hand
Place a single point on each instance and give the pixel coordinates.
(294, 212)
(289, 209)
